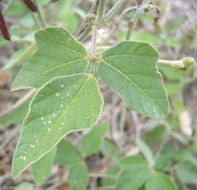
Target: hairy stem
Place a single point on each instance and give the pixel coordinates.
(113, 10)
(101, 11)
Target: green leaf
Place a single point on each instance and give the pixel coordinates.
(134, 174)
(41, 169)
(67, 154)
(58, 54)
(110, 181)
(146, 151)
(187, 172)
(24, 186)
(162, 162)
(78, 177)
(160, 181)
(63, 105)
(110, 150)
(129, 68)
(17, 116)
(91, 142)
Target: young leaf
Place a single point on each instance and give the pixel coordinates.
(160, 181)
(187, 172)
(41, 169)
(146, 151)
(78, 177)
(58, 54)
(24, 186)
(135, 172)
(129, 68)
(67, 154)
(91, 142)
(63, 105)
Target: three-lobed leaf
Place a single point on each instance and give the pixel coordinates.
(63, 105)
(129, 68)
(58, 54)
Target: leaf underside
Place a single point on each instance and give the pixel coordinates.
(129, 68)
(63, 105)
(58, 54)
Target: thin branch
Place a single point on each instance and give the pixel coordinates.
(94, 32)
(113, 10)
(18, 103)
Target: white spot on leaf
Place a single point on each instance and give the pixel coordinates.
(67, 94)
(57, 94)
(32, 146)
(62, 86)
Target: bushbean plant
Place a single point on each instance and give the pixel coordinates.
(67, 98)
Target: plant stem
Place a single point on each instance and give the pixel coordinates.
(101, 175)
(36, 22)
(94, 32)
(121, 128)
(40, 16)
(113, 10)
(101, 10)
(178, 64)
(29, 51)
(18, 103)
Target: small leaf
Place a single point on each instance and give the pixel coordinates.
(146, 151)
(110, 150)
(78, 177)
(129, 68)
(58, 54)
(91, 142)
(41, 169)
(63, 105)
(67, 154)
(24, 186)
(134, 174)
(160, 181)
(187, 172)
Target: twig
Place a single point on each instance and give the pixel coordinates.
(94, 32)
(138, 125)
(101, 175)
(178, 64)
(40, 16)
(17, 104)
(101, 11)
(113, 10)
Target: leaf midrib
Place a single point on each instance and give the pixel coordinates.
(138, 87)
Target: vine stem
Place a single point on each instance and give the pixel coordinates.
(113, 10)
(40, 16)
(178, 64)
(101, 11)
(121, 128)
(94, 32)
(101, 175)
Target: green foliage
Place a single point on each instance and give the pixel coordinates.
(67, 154)
(58, 54)
(129, 68)
(52, 115)
(95, 136)
(78, 176)
(135, 171)
(160, 181)
(41, 169)
(24, 186)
